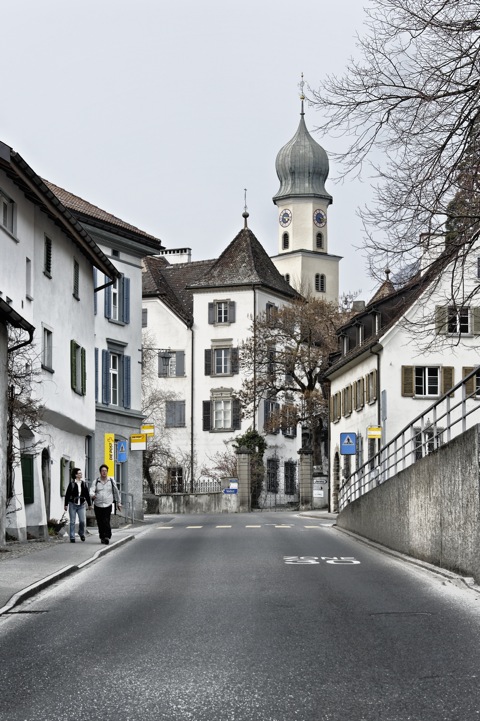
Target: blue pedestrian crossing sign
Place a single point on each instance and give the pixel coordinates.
(121, 451)
(348, 444)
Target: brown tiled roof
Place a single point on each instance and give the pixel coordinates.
(245, 262)
(89, 213)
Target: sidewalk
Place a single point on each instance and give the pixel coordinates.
(23, 576)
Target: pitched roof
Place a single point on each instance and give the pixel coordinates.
(245, 263)
(88, 213)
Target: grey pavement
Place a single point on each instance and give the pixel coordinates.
(40, 564)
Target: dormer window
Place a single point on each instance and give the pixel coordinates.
(285, 241)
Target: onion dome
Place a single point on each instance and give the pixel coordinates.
(302, 167)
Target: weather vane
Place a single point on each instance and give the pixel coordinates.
(245, 210)
(301, 85)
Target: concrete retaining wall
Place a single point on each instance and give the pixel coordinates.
(430, 511)
(191, 503)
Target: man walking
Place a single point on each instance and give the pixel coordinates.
(104, 493)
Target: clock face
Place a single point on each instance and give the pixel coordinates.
(285, 218)
(319, 218)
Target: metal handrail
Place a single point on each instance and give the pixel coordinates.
(416, 440)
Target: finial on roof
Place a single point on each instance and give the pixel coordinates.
(245, 213)
(302, 94)
(387, 272)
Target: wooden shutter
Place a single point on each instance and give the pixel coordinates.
(234, 360)
(448, 375)
(475, 313)
(208, 362)
(94, 294)
(441, 319)
(236, 414)
(108, 300)
(180, 363)
(162, 365)
(83, 361)
(96, 375)
(470, 385)
(211, 313)
(73, 365)
(27, 478)
(105, 377)
(169, 414)
(206, 416)
(126, 299)
(408, 387)
(144, 317)
(231, 311)
(127, 384)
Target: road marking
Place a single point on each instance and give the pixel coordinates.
(194, 526)
(252, 526)
(222, 526)
(312, 526)
(283, 525)
(302, 560)
(167, 528)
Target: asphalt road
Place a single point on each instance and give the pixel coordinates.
(261, 617)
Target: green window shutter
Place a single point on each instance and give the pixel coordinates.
(73, 364)
(63, 465)
(441, 319)
(27, 478)
(408, 388)
(448, 373)
(83, 356)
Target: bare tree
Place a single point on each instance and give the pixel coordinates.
(284, 359)
(410, 106)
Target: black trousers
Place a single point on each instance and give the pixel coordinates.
(103, 520)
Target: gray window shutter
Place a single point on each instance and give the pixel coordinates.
(126, 299)
(441, 319)
(234, 360)
(475, 320)
(169, 414)
(208, 362)
(231, 311)
(127, 386)
(144, 317)
(96, 375)
(211, 313)
(73, 365)
(162, 365)
(108, 300)
(236, 415)
(105, 377)
(181, 414)
(83, 360)
(180, 363)
(206, 416)
(94, 294)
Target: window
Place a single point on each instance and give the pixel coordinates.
(336, 407)
(358, 394)
(426, 381)
(271, 416)
(285, 241)
(27, 478)
(47, 345)
(287, 277)
(426, 441)
(221, 361)
(116, 377)
(319, 241)
(117, 300)
(175, 414)
(371, 387)
(458, 320)
(171, 363)
(320, 283)
(289, 421)
(221, 412)
(290, 470)
(76, 280)
(347, 400)
(7, 207)
(47, 257)
(221, 312)
(271, 313)
(272, 475)
(78, 372)
(175, 479)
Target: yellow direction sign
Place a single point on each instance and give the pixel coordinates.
(138, 442)
(148, 430)
(374, 432)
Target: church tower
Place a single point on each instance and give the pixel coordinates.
(302, 202)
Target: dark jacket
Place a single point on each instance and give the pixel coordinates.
(71, 495)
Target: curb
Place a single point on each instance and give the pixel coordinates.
(38, 586)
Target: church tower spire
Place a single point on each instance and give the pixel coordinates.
(302, 200)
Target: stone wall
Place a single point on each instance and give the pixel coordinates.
(430, 511)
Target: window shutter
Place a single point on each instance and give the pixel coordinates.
(373, 396)
(208, 362)
(211, 313)
(94, 294)
(83, 360)
(180, 413)
(408, 388)
(162, 365)
(207, 411)
(231, 311)
(236, 415)
(73, 364)
(180, 363)
(144, 317)
(234, 360)
(266, 413)
(105, 377)
(127, 386)
(169, 414)
(27, 479)
(475, 320)
(441, 319)
(108, 301)
(96, 375)
(448, 373)
(470, 384)
(126, 299)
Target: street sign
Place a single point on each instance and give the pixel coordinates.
(348, 444)
(148, 429)
(230, 490)
(138, 442)
(374, 432)
(121, 451)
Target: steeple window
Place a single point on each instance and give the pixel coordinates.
(319, 241)
(285, 241)
(320, 283)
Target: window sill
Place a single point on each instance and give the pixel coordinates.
(48, 369)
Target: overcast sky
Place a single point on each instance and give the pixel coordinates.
(163, 112)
